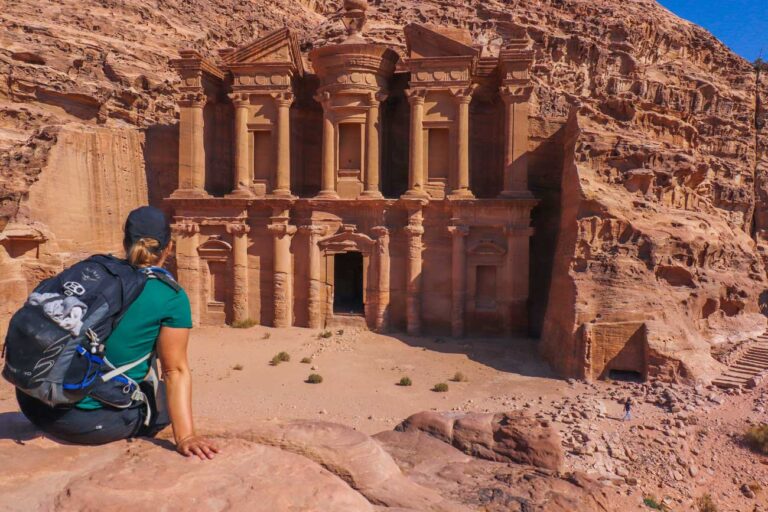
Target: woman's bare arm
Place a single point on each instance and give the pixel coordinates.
(172, 352)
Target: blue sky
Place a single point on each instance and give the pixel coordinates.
(740, 24)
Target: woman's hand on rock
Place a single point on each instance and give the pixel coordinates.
(197, 445)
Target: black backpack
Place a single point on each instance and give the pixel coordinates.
(54, 350)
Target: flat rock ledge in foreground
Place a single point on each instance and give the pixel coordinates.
(305, 465)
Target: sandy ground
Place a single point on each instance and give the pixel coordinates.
(360, 373)
(234, 383)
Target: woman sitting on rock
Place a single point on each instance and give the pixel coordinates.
(158, 321)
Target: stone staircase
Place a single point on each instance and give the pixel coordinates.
(753, 362)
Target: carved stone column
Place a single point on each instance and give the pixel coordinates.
(239, 232)
(414, 230)
(515, 313)
(243, 178)
(283, 271)
(458, 278)
(283, 168)
(372, 156)
(463, 99)
(191, 146)
(515, 61)
(515, 141)
(314, 284)
(186, 238)
(328, 181)
(416, 162)
(381, 315)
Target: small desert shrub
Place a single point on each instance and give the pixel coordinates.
(306, 360)
(244, 324)
(757, 438)
(459, 377)
(706, 504)
(314, 378)
(650, 502)
(281, 357)
(266, 336)
(237, 367)
(325, 334)
(440, 387)
(405, 381)
(340, 332)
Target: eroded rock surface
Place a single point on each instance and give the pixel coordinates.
(501, 437)
(279, 466)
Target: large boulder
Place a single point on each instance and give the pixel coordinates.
(501, 437)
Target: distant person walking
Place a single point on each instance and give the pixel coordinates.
(627, 409)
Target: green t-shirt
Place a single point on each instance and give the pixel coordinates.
(135, 336)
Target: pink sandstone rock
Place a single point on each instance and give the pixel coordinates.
(504, 437)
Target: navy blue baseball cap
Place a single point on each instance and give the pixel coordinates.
(147, 222)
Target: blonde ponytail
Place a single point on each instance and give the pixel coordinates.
(144, 252)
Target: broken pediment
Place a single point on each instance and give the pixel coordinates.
(214, 249)
(425, 41)
(280, 47)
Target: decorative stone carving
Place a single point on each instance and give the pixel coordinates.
(185, 228)
(194, 99)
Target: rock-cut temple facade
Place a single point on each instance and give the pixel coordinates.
(356, 180)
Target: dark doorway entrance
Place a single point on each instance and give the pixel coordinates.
(348, 283)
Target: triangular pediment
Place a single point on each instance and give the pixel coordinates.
(424, 41)
(278, 47)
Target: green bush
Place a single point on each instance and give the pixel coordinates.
(325, 334)
(651, 502)
(237, 367)
(706, 504)
(244, 324)
(281, 357)
(459, 377)
(314, 378)
(440, 387)
(266, 336)
(405, 381)
(306, 360)
(757, 438)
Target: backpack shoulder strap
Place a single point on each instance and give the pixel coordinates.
(162, 275)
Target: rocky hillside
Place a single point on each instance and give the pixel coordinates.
(648, 147)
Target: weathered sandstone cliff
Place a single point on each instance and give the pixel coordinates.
(648, 152)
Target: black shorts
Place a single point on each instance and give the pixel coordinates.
(96, 426)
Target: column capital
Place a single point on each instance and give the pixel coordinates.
(323, 97)
(194, 99)
(380, 231)
(281, 229)
(374, 98)
(283, 98)
(185, 228)
(459, 230)
(414, 230)
(515, 93)
(463, 95)
(313, 229)
(416, 96)
(238, 228)
(240, 99)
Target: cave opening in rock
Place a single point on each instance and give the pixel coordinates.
(348, 283)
